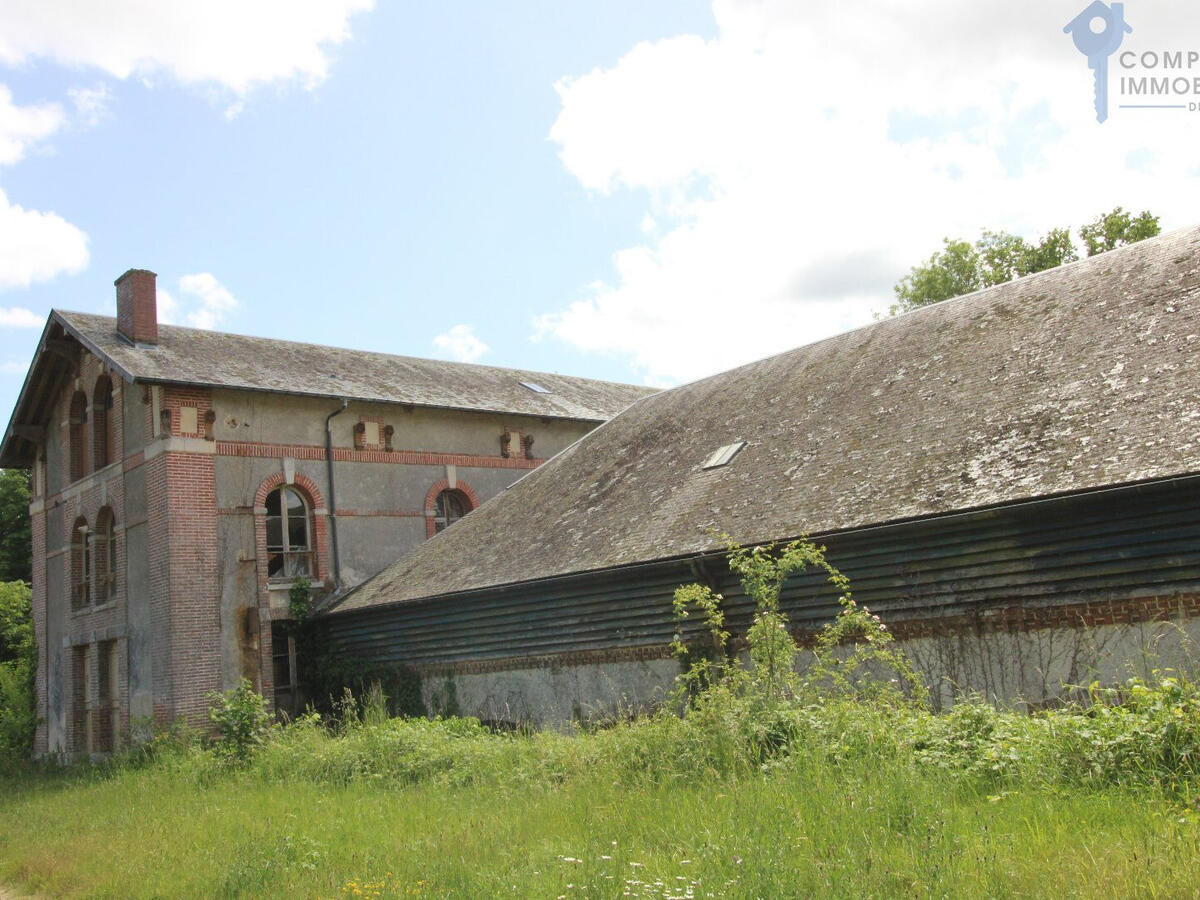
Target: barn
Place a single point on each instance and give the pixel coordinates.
(1011, 479)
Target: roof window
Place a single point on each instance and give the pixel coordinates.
(535, 387)
(724, 455)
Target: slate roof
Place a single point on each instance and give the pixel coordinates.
(215, 359)
(1069, 380)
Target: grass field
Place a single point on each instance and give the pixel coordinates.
(861, 800)
(757, 781)
(799, 831)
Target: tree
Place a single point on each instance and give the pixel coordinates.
(999, 256)
(15, 537)
(953, 271)
(1116, 229)
(18, 650)
(18, 662)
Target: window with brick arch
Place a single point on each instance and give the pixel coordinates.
(81, 565)
(289, 534)
(104, 553)
(102, 424)
(77, 436)
(81, 698)
(107, 725)
(451, 505)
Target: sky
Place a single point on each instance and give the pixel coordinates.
(643, 192)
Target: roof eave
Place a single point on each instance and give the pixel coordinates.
(81, 336)
(333, 395)
(713, 552)
(16, 451)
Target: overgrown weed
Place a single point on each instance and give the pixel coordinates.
(858, 703)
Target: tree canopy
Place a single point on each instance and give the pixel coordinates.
(999, 256)
(15, 538)
(18, 661)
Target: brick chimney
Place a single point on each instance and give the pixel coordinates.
(137, 306)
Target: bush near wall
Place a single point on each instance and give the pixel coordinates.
(327, 676)
(18, 662)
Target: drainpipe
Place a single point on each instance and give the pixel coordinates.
(337, 564)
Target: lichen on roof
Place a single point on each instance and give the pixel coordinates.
(198, 357)
(1074, 379)
(218, 359)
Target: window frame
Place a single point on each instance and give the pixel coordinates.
(81, 565)
(441, 517)
(78, 452)
(102, 423)
(103, 558)
(286, 550)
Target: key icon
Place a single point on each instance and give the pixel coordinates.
(1099, 45)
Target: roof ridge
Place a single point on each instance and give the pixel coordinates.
(379, 353)
(1060, 271)
(1078, 382)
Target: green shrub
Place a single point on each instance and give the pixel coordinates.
(242, 721)
(327, 675)
(18, 663)
(18, 719)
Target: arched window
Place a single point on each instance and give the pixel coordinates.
(77, 437)
(451, 506)
(81, 566)
(104, 557)
(102, 402)
(289, 534)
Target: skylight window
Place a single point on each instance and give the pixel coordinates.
(535, 387)
(723, 456)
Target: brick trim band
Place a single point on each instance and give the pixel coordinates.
(985, 621)
(399, 457)
(1035, 618)
(577, 658)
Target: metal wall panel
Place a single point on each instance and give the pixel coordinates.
(1113, 545)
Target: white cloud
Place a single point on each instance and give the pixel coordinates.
(91, 104)
(23, 126)
(207, 302)
(19, 317)
(460, 344)
(797, 164)
(237, 44)
(36, 246)
(166, 306)
(14, 367)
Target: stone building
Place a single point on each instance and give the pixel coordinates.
(183, 479)
(1010, 478)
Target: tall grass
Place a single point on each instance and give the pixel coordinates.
(861, 798)
(757, 782)
(1144, 736)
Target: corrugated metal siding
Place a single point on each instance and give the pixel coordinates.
(1119, 544)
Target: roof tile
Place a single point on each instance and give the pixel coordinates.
(1073, 379)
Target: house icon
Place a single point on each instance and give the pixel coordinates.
(1098, 46)
(1092, 44)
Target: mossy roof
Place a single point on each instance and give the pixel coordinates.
(192, 356)
(1070, 380)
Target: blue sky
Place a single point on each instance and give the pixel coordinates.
(628, 190)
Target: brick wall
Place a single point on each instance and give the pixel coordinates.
(192, 587)
(41, 742)
(157, 525)
(95, 451)
(1022, 618)
(179, 645)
